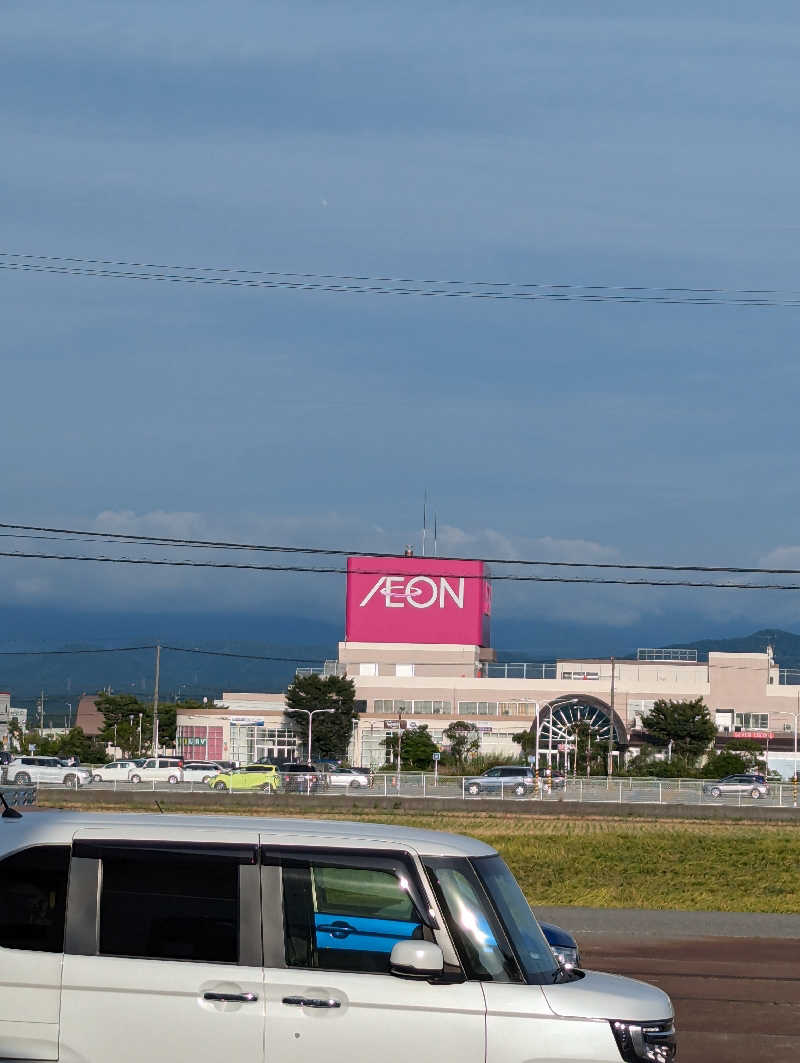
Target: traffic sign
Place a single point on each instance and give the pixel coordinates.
(437, 756)
(531, 759)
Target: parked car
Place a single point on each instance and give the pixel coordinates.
(752, 785)
(200, 770)
(299, 778)
(129, 930)
(562, 944)
(347, 778)
(158, 769)
(24, 770)
(116, 771)
(263, 777)
(506, 778)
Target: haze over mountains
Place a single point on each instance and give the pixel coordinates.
(289, 640)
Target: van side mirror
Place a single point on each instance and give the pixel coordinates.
(416, 959)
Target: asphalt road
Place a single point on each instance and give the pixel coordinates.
(736, 997)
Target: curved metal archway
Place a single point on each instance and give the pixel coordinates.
(559, 726)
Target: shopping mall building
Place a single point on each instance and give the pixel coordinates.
(418, 648)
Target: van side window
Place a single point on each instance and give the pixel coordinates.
(163, 905)
(345, 918)
(33, 896)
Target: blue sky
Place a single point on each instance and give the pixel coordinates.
(522, 142)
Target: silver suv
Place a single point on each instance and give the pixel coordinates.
(504, 779)
(25, 770)
(754, 786)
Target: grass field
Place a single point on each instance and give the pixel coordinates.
(637, 864)
(648, 863)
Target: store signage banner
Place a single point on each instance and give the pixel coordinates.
(418, 599)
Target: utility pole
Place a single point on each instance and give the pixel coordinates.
(611, 723)
(41, 711)
(155, 700)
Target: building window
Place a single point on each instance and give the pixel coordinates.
(424, 707)
(477, 708)
(441, 707)
(752, 721)
(368, 669)
(405, 670)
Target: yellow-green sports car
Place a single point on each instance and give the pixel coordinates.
(252, 777)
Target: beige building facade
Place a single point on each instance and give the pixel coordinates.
(401, 686)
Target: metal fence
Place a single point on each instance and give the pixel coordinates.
(624, 791)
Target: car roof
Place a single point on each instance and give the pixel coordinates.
(59, 827)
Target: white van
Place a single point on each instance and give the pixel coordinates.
(133, 937)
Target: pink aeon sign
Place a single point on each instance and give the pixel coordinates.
(418, 599)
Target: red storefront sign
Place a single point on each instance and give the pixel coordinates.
(753, 734)
(418, 600)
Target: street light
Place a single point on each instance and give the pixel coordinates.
(311, 713)
(569, 701)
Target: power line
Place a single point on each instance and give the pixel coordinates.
(243, 656)
(185, 563)
(562, 293)
(45, 653)
(154, 540)
(363, 278)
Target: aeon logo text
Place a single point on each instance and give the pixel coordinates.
(421, 592)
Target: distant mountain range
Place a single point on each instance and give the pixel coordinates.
(228, 640)
(785, 646)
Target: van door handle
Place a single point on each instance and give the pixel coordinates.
(312, 1002)
(236, 998)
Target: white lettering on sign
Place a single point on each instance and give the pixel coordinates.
(421, 592)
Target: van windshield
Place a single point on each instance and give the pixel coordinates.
(529, 943)
(492, 926)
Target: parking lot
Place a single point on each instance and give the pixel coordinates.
(623, 791)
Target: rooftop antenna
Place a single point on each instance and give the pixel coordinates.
(424, 520)
(8, 811)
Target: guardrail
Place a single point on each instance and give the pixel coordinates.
(619, 790)
(18, 796)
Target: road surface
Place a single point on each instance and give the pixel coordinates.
(736, 997)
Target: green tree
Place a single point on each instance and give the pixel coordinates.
(526, 740)
(416, 748)
(685, 724)
(331, 732)
(121, 711)
(16, 736)
(750, 751)
(464, 740)
(723, 763)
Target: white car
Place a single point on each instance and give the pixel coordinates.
(347, 778)
(157, 769)
(200, 770)
(116, 771)
(24, 770)
(247, 936)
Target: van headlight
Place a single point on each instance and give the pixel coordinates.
(645, 1042)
